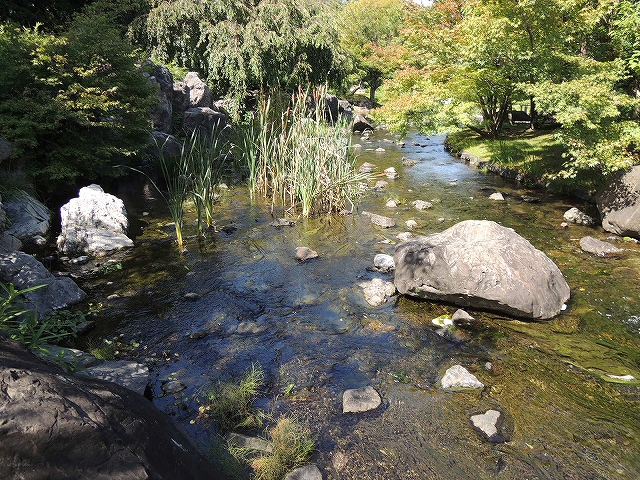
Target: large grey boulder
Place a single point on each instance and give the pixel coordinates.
(181, 97)
(93, 224)
(162, 114)
(204, 118)
(200, 94)
(480, 264)
(26, 217)
(619, 203)
(24, 271)
(57, 425)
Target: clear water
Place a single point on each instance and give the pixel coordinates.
(310, 328)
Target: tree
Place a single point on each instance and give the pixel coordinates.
(240, 46)
(369, 30)
(479, 55)
(74, 105)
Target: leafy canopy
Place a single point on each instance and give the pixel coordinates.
(73, 104)
(240, 46)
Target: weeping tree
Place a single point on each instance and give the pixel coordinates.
(241, 46)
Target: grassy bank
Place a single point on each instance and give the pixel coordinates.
(536, 155)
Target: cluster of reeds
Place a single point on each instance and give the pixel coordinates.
(298, 159)
(193, 175)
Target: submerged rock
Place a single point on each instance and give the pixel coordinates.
(132, 375)
(380, 220)
(598, 247)
(305, 253)
(377, 291)
(422, 205)
(308, 472)
(480, 264)
(360, 400)
(367, 167)
(489, 424)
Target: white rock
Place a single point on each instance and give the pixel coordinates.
(384, 262)
(497, 196)
(487, 422)
(459, 377)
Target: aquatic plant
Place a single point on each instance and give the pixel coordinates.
(204, 159)
(230, 404)
(292, 448)
(299, 160)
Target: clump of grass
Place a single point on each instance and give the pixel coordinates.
(230, 404)
(297, 159)
(292, 448)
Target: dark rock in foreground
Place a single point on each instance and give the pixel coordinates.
(58, 426)
(481, 264)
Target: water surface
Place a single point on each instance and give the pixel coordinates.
(310, 328)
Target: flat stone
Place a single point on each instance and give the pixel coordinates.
(305, 253)
(598, 247)
(360, 400)
(497, 196)
(173, 386)
(308, 472)
(380, 220)
(487, 423)
(422, 205)
(131, 375)
(458, 377)
(367, 167)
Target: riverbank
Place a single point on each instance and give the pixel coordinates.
(531, 158)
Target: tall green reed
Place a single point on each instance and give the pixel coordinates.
(299, 160)
(204, 158)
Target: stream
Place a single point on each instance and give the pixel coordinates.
(310, 328)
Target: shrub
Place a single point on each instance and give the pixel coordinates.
(74, 105)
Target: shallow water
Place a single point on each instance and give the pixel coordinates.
(309, 327)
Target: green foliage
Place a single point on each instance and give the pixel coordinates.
(597, 126)
(294, 156)
(75, 104)
(369, 33)
(52, 13)
(292, 448)
(230, 404)
(240, 46)
(23, 325)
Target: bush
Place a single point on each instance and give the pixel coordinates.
(74, 105)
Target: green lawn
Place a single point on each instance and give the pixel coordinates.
(535, 153)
